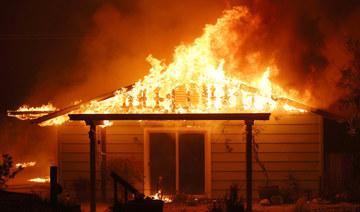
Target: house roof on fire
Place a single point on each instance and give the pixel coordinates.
(53, 114)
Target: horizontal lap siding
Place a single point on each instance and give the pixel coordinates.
(292, 142)
(122, 139)
(73, 149)
(270, 147)
(270, 166)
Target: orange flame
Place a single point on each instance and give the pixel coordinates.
(26, 164)
(40, 180)
(196, 82)
(55, 121)
(30, 113)
(165, 199)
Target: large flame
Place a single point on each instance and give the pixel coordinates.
(196, 82)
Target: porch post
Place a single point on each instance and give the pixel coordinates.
(54, 191)
(103, 163)
(249, 124)
(92, 136)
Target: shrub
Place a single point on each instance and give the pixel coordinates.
(231, 202)
(7, 171)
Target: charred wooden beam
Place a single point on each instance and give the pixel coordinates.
(77, 106)
(186, 116)
(37, 112)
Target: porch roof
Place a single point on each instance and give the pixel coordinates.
(160, 116)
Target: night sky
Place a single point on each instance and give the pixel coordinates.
(39, 40)
(63, 51)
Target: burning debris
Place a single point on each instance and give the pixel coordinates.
(40, 180)
(26, 164)
(159, 196)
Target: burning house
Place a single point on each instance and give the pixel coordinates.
(196, 154)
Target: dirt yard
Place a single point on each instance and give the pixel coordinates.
(170, 207)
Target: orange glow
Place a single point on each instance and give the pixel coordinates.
(26, 164)
(55, 121)
(107, 123)
(196, 82)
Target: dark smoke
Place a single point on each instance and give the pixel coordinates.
(121, 35)
(305, 41)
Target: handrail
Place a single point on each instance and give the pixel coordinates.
(127, 186)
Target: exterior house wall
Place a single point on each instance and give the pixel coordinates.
(292, 142)
(288, 142)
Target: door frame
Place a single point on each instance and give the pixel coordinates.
(177, 131)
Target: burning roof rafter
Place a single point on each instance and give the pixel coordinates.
(47, 115)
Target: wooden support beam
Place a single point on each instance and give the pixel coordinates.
(186, 116)
(92, 136)
(53, 187)
(103, 163)
(249, 124)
